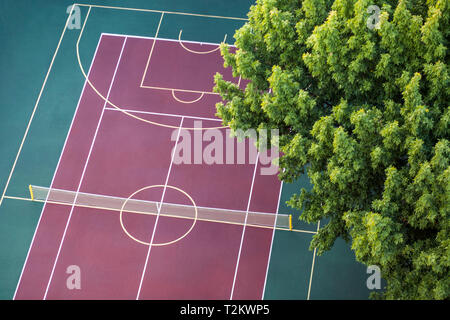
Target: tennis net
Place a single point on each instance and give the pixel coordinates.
(96, 201)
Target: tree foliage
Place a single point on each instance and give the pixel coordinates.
(368, 111)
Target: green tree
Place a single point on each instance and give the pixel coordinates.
(366, 108)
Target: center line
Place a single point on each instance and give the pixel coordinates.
(159, 210)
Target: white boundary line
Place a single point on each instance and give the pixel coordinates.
(57, 165)
(271, 243)
(312, 266)
(243, 229)
(159, 209)
(163, 39)
(84, 169)
(35, 108)
(164, 114)
(161, 11)
(151, 50)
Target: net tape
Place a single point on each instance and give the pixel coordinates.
(96, 201)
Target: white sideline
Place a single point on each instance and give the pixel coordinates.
(163, 39)
(57, 165)
(84, 169)
(243, 229)
(271, 243)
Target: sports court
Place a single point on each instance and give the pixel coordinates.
(128, 85)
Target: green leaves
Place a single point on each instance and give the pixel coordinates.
(366, 110)
(376, 238)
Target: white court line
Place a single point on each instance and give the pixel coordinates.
(151, 50)
(243, 229)
(271, 243)
(84, 169)
(163, 39)
(164, 114)
(181, 90)
(57, 165)
(312, 266)
(159, 209)
(34, 109)
(161, 11)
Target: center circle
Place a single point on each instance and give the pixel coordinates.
(162, 243)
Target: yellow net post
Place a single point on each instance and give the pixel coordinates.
(31, 192)
(290, 222)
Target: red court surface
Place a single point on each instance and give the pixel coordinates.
(165, 62)
(107, 152)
